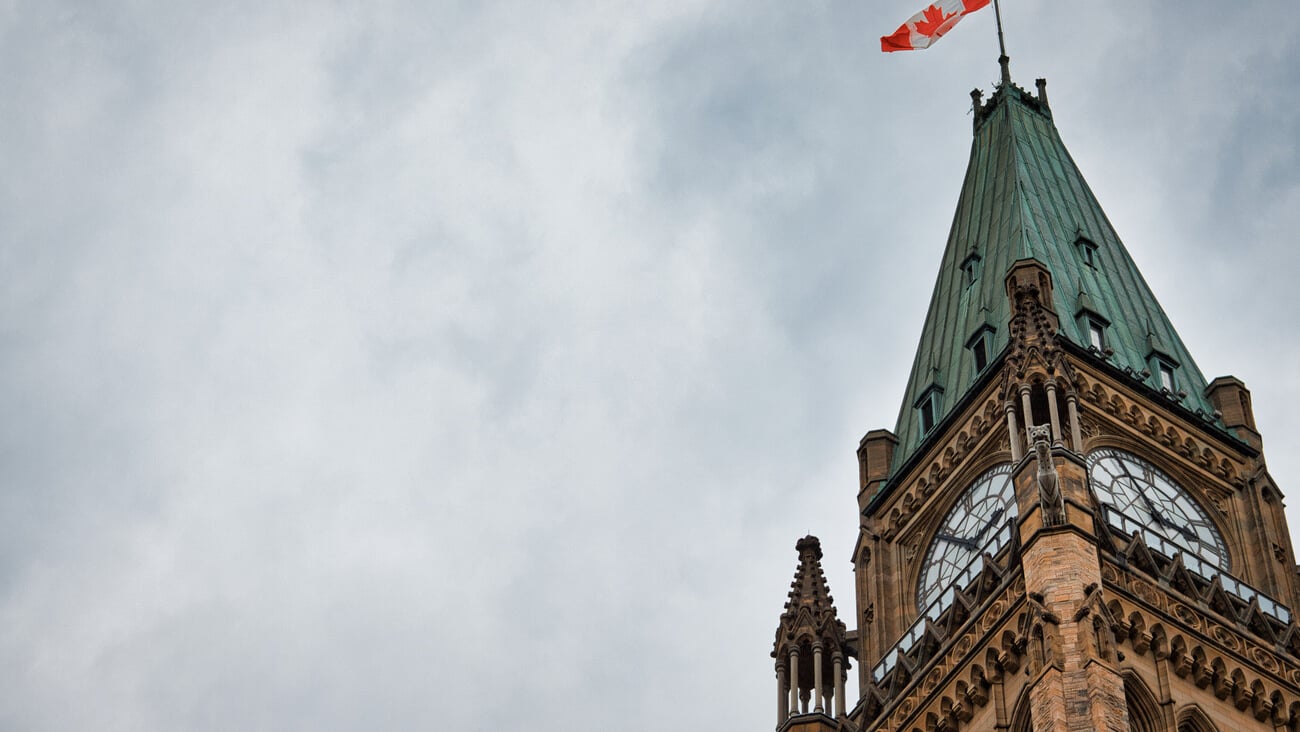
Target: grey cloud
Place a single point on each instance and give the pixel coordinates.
(478, 365)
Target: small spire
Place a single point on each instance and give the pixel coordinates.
(1004, 61)
(809, 586)
(812, 651)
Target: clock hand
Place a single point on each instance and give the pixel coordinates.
(988, 525)
(1151, 508)
(959, 541)
(1159, 515)
(1183, 530)
(1164, 522)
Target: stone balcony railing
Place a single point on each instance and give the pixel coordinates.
(1164, 555)
(982, 577)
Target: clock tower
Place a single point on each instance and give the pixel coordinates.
(1069, 527)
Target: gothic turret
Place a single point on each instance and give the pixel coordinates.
(811, 650)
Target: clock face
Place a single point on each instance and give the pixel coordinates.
(1155, 505)
(972, 527)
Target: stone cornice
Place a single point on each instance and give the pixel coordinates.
(1155, 425)
(1203, 648)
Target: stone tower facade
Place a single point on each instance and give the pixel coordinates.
(1069, 527)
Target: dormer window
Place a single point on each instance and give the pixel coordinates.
(1096, 333)
(927, 408)
(981, 353)
(1165, 370)
(970, 269)
(1094, 328)
(927, 416)
(1166, 373)
(981, 347)
(1087, 251)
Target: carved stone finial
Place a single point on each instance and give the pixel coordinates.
(1049, 490)
(811, 544)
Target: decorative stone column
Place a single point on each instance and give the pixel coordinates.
(839, 685)
(1054, 412)
(1076, 434)
(1029, 411)
(1016, 451)
(794, 679)
(817, 678)
(782, 706)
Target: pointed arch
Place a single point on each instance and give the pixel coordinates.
(1143, 709)
(1192, 719)
(1021, 719)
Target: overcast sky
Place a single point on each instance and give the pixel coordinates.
(476, 365)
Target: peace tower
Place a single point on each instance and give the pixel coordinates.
(1069, 527)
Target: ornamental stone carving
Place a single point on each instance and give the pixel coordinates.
(1049, 489)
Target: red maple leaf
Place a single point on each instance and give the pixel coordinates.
(933, 20)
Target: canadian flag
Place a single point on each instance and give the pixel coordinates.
(929, 25)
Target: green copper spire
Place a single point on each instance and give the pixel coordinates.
(1023, 197)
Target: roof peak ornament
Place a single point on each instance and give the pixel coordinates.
(1004, 90)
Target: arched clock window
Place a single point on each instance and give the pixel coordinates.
(978, 523)
(1137, 496)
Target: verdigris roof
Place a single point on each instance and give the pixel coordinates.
(1024, 197)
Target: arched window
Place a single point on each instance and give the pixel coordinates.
(1143, 710)
(1020, 718)
(1192, 719)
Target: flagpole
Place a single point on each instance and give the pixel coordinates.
(1003, 60)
